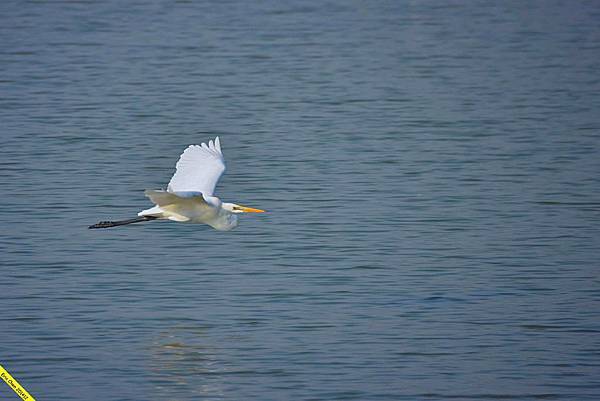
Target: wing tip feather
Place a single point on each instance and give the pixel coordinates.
(213, 148)
(213, 145)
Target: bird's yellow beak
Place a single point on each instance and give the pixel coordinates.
(248, 209)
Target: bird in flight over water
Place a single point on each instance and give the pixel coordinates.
(189, 196)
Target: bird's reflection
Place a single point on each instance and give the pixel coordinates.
(184, 364)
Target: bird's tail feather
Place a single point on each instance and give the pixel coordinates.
(108, 224)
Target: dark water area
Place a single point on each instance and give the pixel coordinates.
(430, 169)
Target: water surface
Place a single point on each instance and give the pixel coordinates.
(431, 176)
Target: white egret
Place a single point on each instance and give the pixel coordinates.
(189, 196)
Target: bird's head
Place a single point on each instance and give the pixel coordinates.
(234, 208)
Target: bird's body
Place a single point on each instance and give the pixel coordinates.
(189, 196)
(190, 207)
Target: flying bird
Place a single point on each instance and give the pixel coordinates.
(189, 196)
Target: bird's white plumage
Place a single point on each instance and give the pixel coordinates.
(189, 196)
(198, 169)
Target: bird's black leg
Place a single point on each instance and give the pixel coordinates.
(108, 224)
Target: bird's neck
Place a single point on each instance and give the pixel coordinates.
(225, 220)
(213, 201)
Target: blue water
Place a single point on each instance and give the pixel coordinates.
(431, 172)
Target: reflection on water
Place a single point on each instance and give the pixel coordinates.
(181, 362)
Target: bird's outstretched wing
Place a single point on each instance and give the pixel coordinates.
(198, 169)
